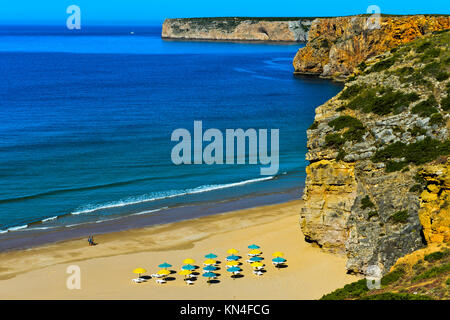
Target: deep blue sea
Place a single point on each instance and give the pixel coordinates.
(86, 119)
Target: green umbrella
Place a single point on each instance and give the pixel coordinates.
(253, 246)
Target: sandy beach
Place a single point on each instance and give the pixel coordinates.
(106, 269)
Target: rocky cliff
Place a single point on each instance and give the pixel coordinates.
(337, 45)
(237, 29)
(377, 185)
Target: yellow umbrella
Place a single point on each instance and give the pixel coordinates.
(209, 261)
(277, 254)
(233, 263)
(139, 271)
(256, 264)
(164, 272)
(185, 272)
(232, 251)
(188, 261)
(255, 251)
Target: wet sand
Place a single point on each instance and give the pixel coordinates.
(106, 269)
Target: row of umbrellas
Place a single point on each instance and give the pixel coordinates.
(233, 263)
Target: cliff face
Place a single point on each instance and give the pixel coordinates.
(237, 29)
(337, 45)
(377, 186)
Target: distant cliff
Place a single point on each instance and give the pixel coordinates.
(238, 29)
(378, 184)
(337, 45)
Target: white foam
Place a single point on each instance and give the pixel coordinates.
(49, 219)
(167, 195)
(17, 228)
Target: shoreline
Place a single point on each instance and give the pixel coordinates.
(29, 238)
(108, 266)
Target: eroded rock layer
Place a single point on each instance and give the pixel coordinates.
(377, 185)
(337, 45)
(238, 29)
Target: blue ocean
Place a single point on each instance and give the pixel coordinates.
(86, 119)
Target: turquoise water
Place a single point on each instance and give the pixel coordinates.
(86, 120)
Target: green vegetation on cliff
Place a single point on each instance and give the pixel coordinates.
(425, 280)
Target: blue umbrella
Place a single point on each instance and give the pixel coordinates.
(233, 269)
(210, 256)
(209, 268)
(278, 259)
(253, 246)
(209, 275)
(255, 259)
(188, 267)
(232, 257)
(165, 265)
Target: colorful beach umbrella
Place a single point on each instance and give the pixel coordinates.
(189, 261)
(139, 271)
(232, 263)
(209, 268)
(185, 272)
(232, 251)
(209, 275)
(210, 256)
(255, 259)
(253, 246)
(163, 272)
(165, 265)
(256, 264)
(279, 260)
(188, 267)
(255, 251)
(233, 257)
(277, 254)
(209, 261)
(234, 269)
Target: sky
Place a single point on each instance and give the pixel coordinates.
(141, 12)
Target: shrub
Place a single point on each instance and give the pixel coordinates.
(345, 122)
(362, 66)
(416, 188)
(425, 108)
(372, 214)
(334, 140)
(382, 65)
(400, 216)
(392, 276)
(314, 125)
(392, 166)
(396, 296)
(417, 131)
(350, 91)
(436, 118)
(441, 76)
(433, 272)
(388, 101)
(423, 47)
(435, 256)
(445, 103)
(352, 290)
(418, 152)
(366, 203)
(341, 155)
